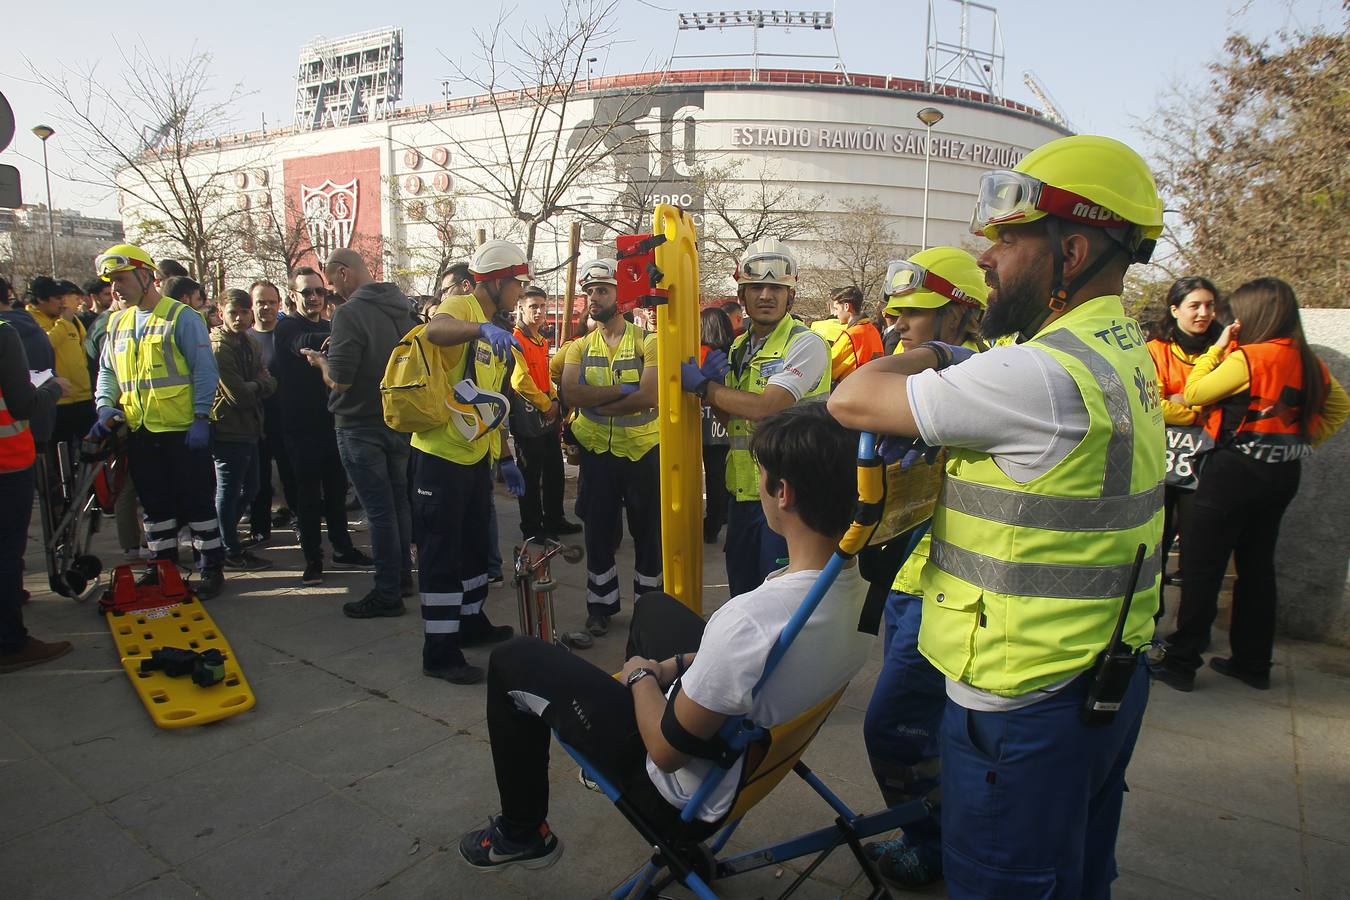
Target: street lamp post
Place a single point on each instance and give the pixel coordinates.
(43, 132)
(929, 116)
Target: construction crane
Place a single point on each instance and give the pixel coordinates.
(1048, 106)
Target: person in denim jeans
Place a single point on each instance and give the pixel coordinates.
(375, 317)
(238, 414)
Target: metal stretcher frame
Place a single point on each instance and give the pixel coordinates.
(739, 732)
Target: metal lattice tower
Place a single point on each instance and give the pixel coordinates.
(959, 64)
(357, 78)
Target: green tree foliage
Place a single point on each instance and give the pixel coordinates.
(1256, 165)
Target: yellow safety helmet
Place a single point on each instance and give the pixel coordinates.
(122, 258)
(1084, 178)
(933, 278)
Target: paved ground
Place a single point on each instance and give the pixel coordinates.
(355, 774)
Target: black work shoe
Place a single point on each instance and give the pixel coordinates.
(373, 606)
(313, 574)
(248, 561)
(1173, 677)
(282, 518)
(562, 526)
(489, 849)
(407, 586)
(1224, 666)
(210, 584)
(456, 674)
(709, 532)
(496, 580)
(597, 625)
(352, 559)
(256, 538)
(473, 634)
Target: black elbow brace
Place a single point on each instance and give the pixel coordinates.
(713, 748)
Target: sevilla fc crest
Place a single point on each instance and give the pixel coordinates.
(330, 215)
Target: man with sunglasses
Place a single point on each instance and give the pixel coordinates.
(310, 432)
(157, 373)
(1053, 483)
(775, 363)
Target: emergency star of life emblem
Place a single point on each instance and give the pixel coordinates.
(330, 215)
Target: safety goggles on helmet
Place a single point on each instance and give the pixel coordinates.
(600, 271)
(1008, 197)
(523, 272)
(106, 264)
(904, 277)
(767, 268)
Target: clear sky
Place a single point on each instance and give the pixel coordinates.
(1104, 63)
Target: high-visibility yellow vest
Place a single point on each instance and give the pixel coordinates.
(152, 373)
(1025, 581)
(629, 436)
(487, 371)
(753, 377)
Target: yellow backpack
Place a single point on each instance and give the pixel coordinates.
(415, 385)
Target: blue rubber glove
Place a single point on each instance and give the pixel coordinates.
(905, 451)
(956, 354)
(108, 418)
(199, 434)
(628, 388)
(715, 366)
(499, 339)
(515, 481)
(691, 376)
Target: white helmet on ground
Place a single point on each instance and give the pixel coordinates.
(767, 261)
(500, 259)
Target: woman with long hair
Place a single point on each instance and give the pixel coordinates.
(715, 333)
(1187, 330)
(1271, 400)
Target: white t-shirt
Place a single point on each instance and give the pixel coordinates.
(1019, 405)
(736, 643)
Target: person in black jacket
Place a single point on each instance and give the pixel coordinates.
(19, 399)
(374, 318)
(311, 442)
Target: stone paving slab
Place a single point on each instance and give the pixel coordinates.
(355, 775)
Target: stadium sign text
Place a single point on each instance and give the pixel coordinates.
(889, 141)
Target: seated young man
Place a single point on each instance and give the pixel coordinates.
(684, 678)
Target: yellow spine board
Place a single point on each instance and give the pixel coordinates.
(177, 702)
(681, 422)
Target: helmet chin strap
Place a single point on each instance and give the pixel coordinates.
(1061, 293)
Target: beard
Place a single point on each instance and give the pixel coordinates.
(1013, 304)
(604, 314)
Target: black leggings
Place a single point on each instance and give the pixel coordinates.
(1237, 512)
(1177, 505)
(536, 687)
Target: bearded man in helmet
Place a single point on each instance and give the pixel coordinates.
(158, 374)
(452, 473)
(610, 377)
(938, 294)
(775, 363)
(1053, 483)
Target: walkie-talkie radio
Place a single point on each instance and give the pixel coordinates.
(1116, 664)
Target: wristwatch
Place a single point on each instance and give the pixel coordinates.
(638, 674)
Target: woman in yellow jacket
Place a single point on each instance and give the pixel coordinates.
(1186, 332)
(54, 307)
(1271, 401)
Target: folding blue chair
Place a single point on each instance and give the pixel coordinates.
(891, 501)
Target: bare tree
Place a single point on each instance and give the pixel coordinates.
(443, 236)
(24, 252)
(861, 241)
(275, 241)
(535, 153)
(739, 210)
(154, 139)
(1254, 163)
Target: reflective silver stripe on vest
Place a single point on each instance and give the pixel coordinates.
(740, 442)
(13, 428)
(172, 377)
(1052, 513)
(1120, 446)
(1040, 579)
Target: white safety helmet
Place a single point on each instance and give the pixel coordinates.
(500, 259)
(767, 261)
(599, 271)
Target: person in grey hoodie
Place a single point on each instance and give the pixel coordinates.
(375, 317)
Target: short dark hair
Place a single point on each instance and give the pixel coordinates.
(236, 297)
(456, 270)
(731, 306)
(170, 268)
(804, 446)
(94, 286)
(535, 290)
(6, 292)
(304, 270)
(180, 287)
(263, 282)
(849, 294)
